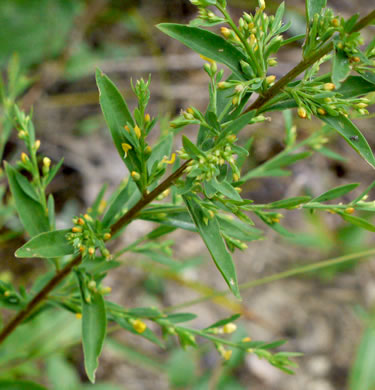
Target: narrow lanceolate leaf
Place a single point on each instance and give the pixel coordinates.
(94, 326)
(47, 245)
(126, 198)
(335, 192)
(355, 86)
(360, 222)
(314, 7)
(32, 215)
(20, 385)
(340, 68)
(352, 136)
(207, 44)
(362, 375)
(209, 230)
(115, 110)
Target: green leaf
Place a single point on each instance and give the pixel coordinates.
(47, 245)
(27, 188)
(20, 385)
(360, 222)
(288, 203)
(192, 150)
(94, 327)
(181, 369)
(362, 376)
(355, 86)
(209, 230)
(340, 67)
(224, 321)
(238, 229)
(352, 136)
(127, 197)
(335, 192)
(31, 213)
(115, 111)
(207, 44)
(368, 76)
(53, 171)
(226, 189)
(161, 149)
(177, 318)
(237, 125)
(314, 7)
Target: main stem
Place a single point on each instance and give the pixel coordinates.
(129, 216)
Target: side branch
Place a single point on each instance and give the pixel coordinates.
(42, 295)
(302, 66)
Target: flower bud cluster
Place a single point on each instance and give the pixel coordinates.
(206, 166)
(208, 16)
(259, 36)
(316, 98)
(85, 238)
(322, 27)
(241, 88)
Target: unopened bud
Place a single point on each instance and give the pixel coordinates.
(147, 118)
(226, 32)
(302, 112)
(229, 328)
(321, 111)
(270, 79)
(329, 86)
(271, 62)
(24, 158)
(37, 144)
(135, 175)
(46, 162)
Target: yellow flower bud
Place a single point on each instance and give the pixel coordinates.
(80, 221)
(139, 326)
(229, 328)
(147, 118)
(270, 79)
(91, 251)
(335, 22)
(227, 354)
(37, 144)
(226, 32)
(329, 86)
(302, 113)
(135, 175)
(76, 229)
(137, 132)
(349, 210)
(246, 339)
(46, 162)
(79, 315)
(24, 158)
(321, 111)
(107, 236)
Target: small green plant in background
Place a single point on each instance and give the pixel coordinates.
(196, 188)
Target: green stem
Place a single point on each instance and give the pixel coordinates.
(281, 275)
(248, 49)
(302, 66)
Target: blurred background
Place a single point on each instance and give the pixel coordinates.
(326, 315)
